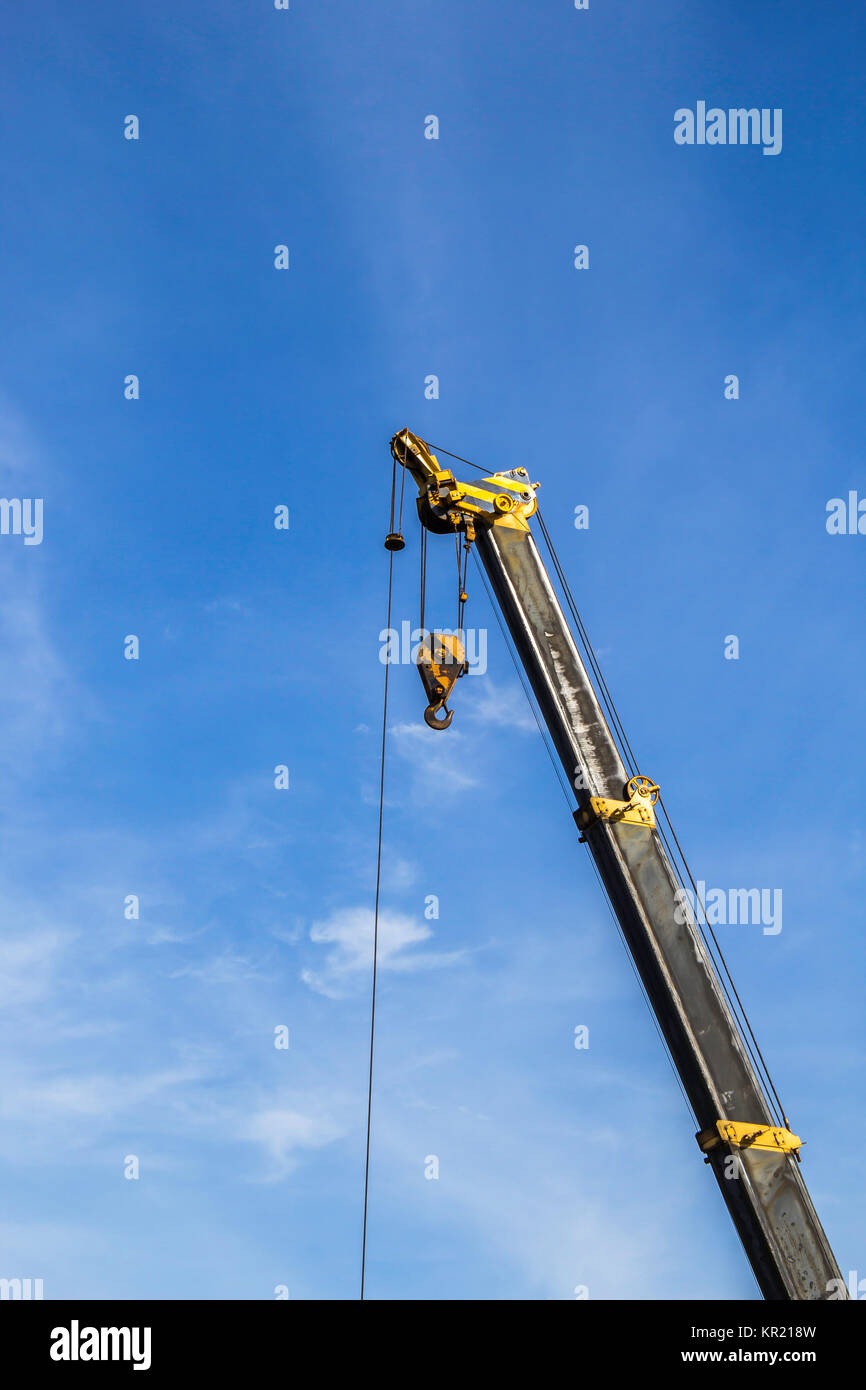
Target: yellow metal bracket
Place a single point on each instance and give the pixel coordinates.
(466, 505)
(503, 499)
(742, 1135)
(638, 810)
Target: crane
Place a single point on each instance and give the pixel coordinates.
(743, 1136)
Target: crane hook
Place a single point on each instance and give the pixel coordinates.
(441, 661)
(431, 712)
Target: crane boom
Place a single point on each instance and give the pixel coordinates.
(754, 1159)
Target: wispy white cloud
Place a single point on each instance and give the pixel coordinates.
(285, 1133)
(349, 934)
(27, 967)
(398, 873)
(502, 706)
(165, 936)
(440, 764)
(226, 604)
(102, 1095)
(227, 968)
(40, 698)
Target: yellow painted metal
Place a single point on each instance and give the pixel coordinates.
(441, 662)
(497, 500)
(743, 1135)
(413, 453)
(638, 810)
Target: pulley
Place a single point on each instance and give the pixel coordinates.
(441, 663)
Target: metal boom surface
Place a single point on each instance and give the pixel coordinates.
(754, 1161)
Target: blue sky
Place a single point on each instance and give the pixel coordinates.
(258, 387)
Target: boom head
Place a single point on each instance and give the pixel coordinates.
(444, 504)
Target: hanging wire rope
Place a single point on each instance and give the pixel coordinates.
(423, 578)
(378, 889)
(437, 448)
